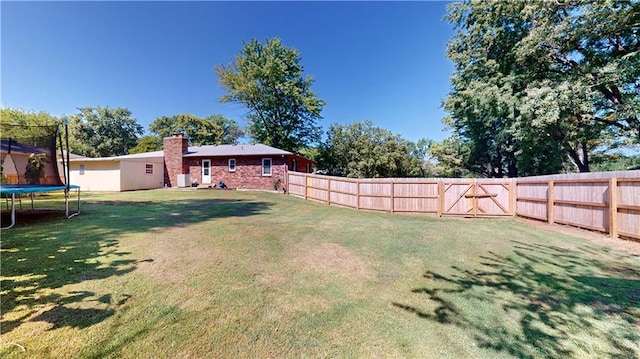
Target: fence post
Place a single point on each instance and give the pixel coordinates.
(306, 186)
(550, 201)
(357, 193)
(440, 203)
(613, 207)
(286, 178)
(513, 200)
(392, 194)
(329, 191)
(474, 199)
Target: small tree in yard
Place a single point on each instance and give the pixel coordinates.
(35, 168)
(267, 79)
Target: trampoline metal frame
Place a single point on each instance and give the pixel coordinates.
(13, 190)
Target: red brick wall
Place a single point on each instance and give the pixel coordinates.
(302, 164)
(248, 174)
(195, 169)
(174, 147)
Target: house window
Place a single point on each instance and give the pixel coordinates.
(81, 170)
(232, 164)
(294, 165)
(148, 168)
(308, 167)
(266, 166)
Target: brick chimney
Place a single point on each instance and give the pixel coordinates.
(174, 164)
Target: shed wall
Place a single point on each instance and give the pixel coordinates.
(98, 175)
(133, 174)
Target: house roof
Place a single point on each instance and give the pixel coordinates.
(200, 151)
(72, 156)
(17, 147)
(155, 154)
(235, 150)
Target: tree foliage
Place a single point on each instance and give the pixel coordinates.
(14, 116)
(211, 130)
(267, 79)
(615, 162)
(420, 160)
(362, 150)
(19, 122)
(451, 158)
(312, 153)
(539, 86)
(147, 144)
(103, 131)
(29, 127)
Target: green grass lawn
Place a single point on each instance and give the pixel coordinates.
(212, 274)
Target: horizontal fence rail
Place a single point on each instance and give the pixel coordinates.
(607, 202)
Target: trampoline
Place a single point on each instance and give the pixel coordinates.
(30, 165)
(11, 190)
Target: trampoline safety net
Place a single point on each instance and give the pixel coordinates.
(28, 155)
(29, 164)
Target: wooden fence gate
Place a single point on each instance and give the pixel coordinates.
(477, 198)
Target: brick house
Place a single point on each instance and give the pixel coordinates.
(254, 166)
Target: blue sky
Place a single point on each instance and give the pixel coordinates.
(379, 61)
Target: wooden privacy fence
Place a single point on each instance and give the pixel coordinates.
(602, 202)
(466, 197)
(610, 205)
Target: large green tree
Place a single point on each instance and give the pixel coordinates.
(420, 160)
(18, 117)
(18, 122)
(103, 131)
(539, 86)
(451, 158)
(147, 143)
(268, 80)
(362, 150)
(211, 130)
(23, 124)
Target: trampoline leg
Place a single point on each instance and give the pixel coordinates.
(13, 212)
(66, 202)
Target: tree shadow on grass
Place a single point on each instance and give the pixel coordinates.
(541, 301)
(38, 258)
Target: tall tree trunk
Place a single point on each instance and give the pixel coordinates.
(579, 157)
(584, 165)
(512, 167)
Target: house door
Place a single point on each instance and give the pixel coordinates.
(206, 171)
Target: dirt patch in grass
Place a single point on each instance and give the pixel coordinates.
(31, 216)
(159, 268)
(174, 257)
(331, 258)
